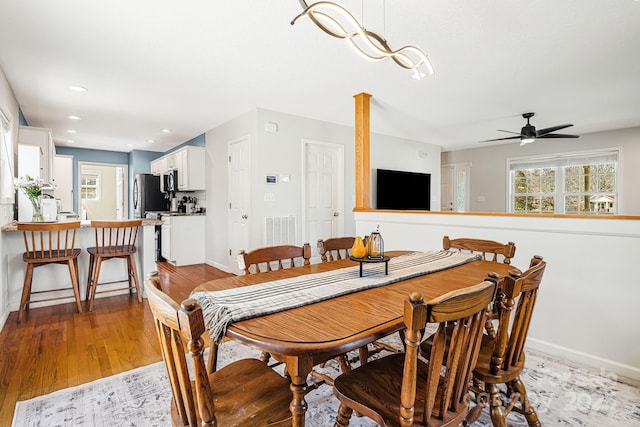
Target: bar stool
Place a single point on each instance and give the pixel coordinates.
(49, 243)
(114, 240)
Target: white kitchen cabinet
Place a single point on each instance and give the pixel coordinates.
(43, 139)
(171, 162)
(155, 167)
(190, 164)
(182, 239)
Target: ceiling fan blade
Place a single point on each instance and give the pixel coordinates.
(508, 131)
(502, 139)
(558, 135)
(551, 129)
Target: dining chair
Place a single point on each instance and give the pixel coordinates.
(502, 357)
(273, 258)
(114, 240)
(496, 251)
(244, 393)
(270, 258)
(403, 390)
(45, 244)
(336, 248)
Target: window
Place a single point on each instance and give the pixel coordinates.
(90, 185)
(7, 192)
(577, 183)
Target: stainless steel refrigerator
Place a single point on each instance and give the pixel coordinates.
(147, 195)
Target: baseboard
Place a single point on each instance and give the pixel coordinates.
(4, 317)
(625, 373)
(218, 266)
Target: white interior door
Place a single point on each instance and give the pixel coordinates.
(323, 192)
(120, 193)
(239, 176)
(454, 187)
(447, 188)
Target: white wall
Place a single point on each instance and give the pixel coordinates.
(587, 308)
(9, 105)
(281, 152)
(489, 175)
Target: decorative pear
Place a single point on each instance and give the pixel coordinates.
(358, 250)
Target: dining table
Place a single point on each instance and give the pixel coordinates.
(305, 336)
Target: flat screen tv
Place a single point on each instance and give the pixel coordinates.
(403, 190)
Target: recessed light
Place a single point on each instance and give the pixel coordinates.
(129, 145)
(78, 88)
(70, 141)
(71, 131)
(166, 131)
(73, 117)
(151, 140)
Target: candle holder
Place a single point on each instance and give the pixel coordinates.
(375, 246)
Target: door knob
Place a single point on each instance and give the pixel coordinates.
(336, 214)
(245, 216)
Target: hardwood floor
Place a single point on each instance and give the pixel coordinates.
(55, 347)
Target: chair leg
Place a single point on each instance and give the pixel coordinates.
(133, 271)
(343, 417)
(74, 283)
(92, 260)
(94, 280)
(527, 410)
(363, 354)
(26, 291)
(498, 415)
(212, 362)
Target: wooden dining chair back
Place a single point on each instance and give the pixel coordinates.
(502, 357)
(114, 240)
(336, 248)
(49, 243)
(271, 258)
(243, 393)
(492, 250)
(403, 390)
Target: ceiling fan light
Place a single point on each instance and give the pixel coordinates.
(526, 140)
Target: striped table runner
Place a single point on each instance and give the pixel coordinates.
(222, 308)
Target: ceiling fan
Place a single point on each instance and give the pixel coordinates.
(529, 134)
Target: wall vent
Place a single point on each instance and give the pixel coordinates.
(280, 230)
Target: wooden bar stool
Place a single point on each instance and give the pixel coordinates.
(49, 243)
(114, 239)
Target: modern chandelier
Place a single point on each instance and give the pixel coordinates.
(336, 21)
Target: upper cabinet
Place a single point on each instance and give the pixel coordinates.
(189, 162)
(43, 139)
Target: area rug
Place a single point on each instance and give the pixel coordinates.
(563, 394)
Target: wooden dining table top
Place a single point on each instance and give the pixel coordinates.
(328, 328)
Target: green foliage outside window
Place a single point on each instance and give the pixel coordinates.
(576, 189)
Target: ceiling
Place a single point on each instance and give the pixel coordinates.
(190, 66)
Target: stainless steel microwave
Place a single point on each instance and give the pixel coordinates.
(170, 181)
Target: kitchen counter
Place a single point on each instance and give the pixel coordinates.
(169, 213)
(13, 225)
(57, 276)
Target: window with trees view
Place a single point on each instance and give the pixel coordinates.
(90, 186)
(569, 183)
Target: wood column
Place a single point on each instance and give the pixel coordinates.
(362, 152)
